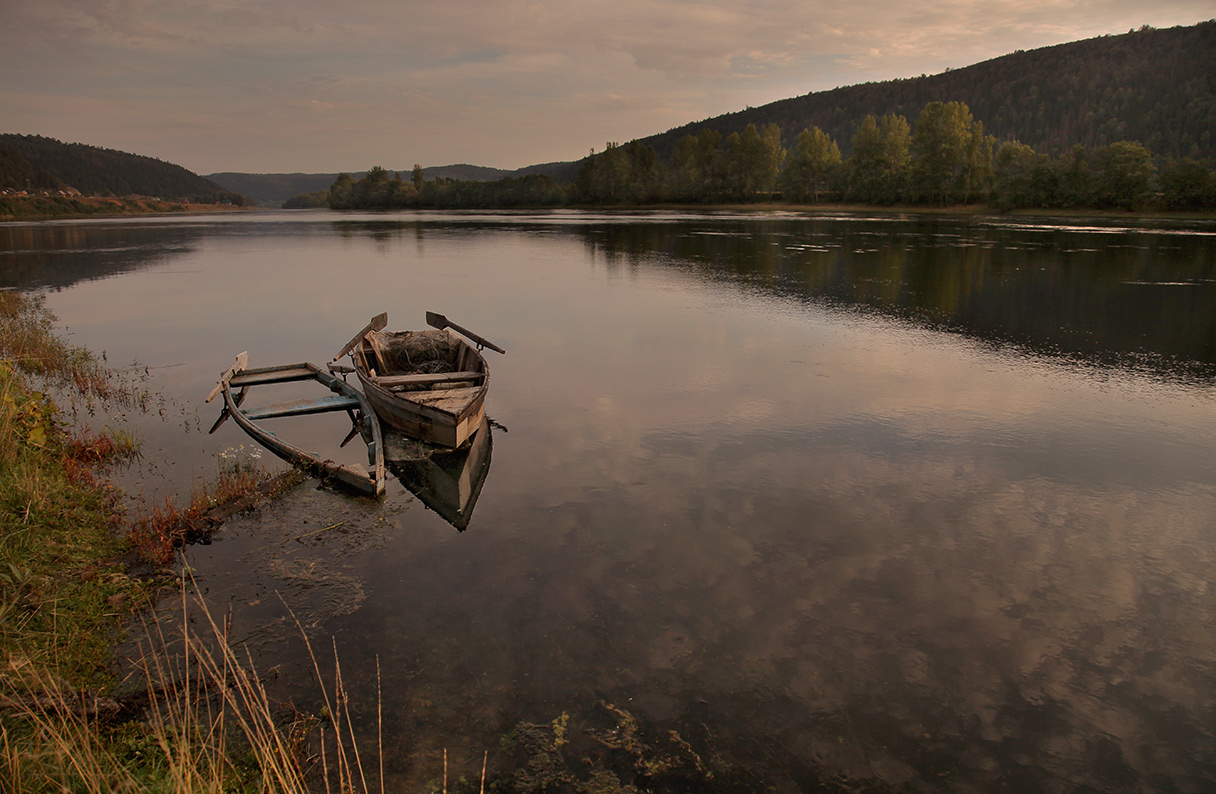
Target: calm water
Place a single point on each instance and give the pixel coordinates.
(891, 503)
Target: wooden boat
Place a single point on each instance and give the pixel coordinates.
(447, 481)
(344, 398)
(430, 385)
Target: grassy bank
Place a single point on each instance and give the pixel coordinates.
(62, 590)
(200, 720)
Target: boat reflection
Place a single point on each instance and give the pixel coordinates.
(447, 481)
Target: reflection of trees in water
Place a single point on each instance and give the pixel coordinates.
(1128, 298)
(60, 255)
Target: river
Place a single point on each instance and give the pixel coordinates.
(900, 503)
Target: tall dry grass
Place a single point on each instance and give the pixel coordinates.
(209, 726)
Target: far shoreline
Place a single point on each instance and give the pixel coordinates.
(43, 208)
(977, 210)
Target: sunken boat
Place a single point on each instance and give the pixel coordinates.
(342, 397)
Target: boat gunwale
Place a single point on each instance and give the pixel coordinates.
(358, 477)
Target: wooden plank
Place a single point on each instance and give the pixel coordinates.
(288, 374)
(449, 401)
(390, 381)
(378, 323)
(303, 407)
(241, 362)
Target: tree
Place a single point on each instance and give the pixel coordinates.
(644, 177)
(698, 165)
(754, 160)
(416, 177)
(1188, 185)
(1015, 167)
(977, 172)
(896, 155)
(1076, 180)
(341, 191)
(941, 149)
(865, 164)
(815, 156)
(1122, 174)
(603, 177)
(878, 168)
(372, 190)
(402, 193)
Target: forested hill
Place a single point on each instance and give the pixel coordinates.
(44, 163)
(1157, 87)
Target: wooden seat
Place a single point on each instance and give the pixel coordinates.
(393, 381)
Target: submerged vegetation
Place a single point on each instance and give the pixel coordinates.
(944, 159)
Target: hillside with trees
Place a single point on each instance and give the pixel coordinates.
(34, 162)
(1157, 87)
(945, 158)
(1048, 121)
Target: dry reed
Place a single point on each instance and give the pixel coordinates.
(207, 709)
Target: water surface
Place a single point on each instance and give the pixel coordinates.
(912, 504)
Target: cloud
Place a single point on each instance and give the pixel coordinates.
(514, 81)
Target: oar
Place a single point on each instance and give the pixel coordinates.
(377, 324)
(439, 321)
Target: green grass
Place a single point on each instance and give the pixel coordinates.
(61, 592)
(65, 598)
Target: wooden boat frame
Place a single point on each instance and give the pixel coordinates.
(345, 398)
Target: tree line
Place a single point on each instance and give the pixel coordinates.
(379, 189)
(945, 158)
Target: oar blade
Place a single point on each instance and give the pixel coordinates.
(436, 320)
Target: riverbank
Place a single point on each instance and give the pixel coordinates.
(31, 208)
(62, 589)
(77, 569)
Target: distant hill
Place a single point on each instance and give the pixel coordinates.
(274, 189)
(37, 162)
(1157, 87)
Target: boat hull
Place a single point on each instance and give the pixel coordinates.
(446, 417)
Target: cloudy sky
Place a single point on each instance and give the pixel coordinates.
(332, 85)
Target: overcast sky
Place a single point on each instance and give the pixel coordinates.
(332, 85)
